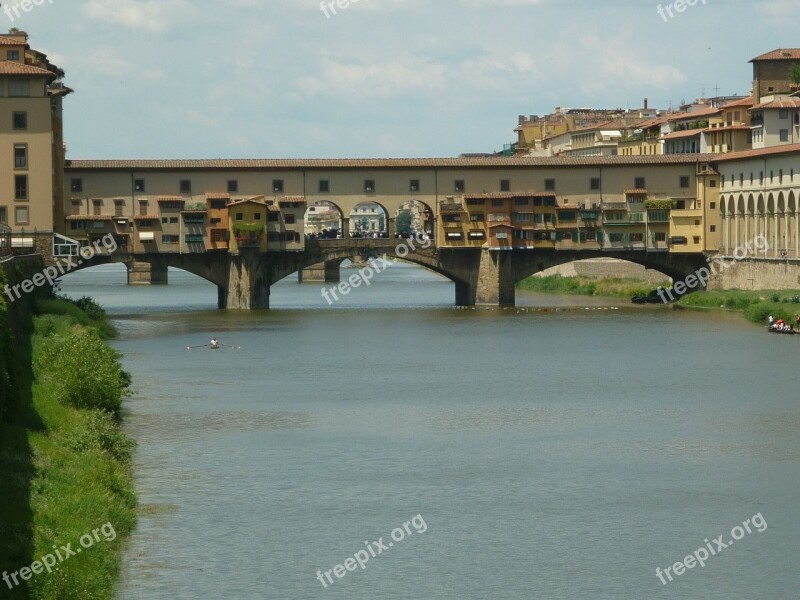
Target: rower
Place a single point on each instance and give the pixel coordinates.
(214, 344)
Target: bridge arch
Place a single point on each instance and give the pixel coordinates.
(362, 222)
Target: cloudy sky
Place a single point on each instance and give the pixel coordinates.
(381, 78)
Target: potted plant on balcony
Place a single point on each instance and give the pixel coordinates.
(248, 234)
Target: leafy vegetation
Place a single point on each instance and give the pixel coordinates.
(794, 73)
(588, 286)
(654, 204)
(248, 228)
(403, 221)
(756, 306)
(65, 469)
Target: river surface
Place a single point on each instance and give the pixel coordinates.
(564, 449)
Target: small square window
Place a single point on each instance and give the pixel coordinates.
(784, 133)
(3, 215)
(21, 215)
(639, 183)
(186, 186)
(550, 185)
(12, 55)
(239, 216)
(138, 185)
(257, 216)
(684, 181)
(783, 113)
(369, 186)
(76, 185)
(20, 120)
(289, 219)
(460, 185)
(277, 186)
(712, 228)
(324, 186)
(594, 183)
(505, 185)
(413, 185)
(233, 186)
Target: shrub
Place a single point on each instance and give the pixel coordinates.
(776, 297)
(83, 370)
(102, 433)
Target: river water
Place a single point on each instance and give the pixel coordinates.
(564, 449)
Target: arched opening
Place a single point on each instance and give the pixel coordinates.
(368, 220)
(108, 285)
(323, 220)
(415, 218)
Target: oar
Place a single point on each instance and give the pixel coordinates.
(193, 347)
(231, 347)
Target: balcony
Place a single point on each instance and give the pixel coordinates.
(615, 206)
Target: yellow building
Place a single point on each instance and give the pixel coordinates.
(31, 151)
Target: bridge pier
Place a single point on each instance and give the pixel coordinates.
(489, 278)
(248, 283)
(145, 273)
(324, 272)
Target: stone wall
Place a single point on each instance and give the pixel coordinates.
(758, 274)
(606, 268)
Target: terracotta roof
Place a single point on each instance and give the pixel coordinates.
(788, 149)
(681, 134)
(171, 199)
(376, 163)
(780, 54)
(218, 196)
(12, 67)
(746, 101)
(705, 112)
(145, 217)
(778, 103)
(257, 200)
(10, 41)
(636, 192)
(291, 199)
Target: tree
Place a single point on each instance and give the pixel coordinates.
(403, 222)
(794, 73)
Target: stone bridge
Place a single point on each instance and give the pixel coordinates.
(481, 276)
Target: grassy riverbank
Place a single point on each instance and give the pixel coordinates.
(65, 462)
(588, 286)
(756, 306)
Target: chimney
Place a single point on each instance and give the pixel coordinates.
(520, 119)
(645, 103)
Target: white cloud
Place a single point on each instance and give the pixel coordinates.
(153, 16)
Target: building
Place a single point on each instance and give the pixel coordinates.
(32, 148)
(772, 73)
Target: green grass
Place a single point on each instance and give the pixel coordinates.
(589, 286)
(65, 472)
(756, 306)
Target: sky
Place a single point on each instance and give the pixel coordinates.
(380, 78)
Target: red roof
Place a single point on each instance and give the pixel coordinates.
(377, 163)
(635, 192)
(778, 103)
(705, 112)
(10, 41)
(171, 199)
(746, 101)
(218, 196)
(12, 67)
(780, 54)
(788, 149)
(682, 134)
